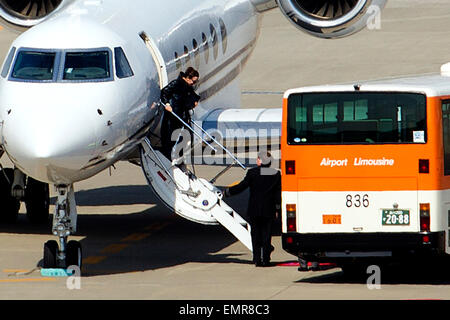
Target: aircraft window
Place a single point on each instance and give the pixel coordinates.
(187, 58)
(205, 47)
(223, 33)
(87, 66)
(8, 61)
(214, 40)
(178, 62)
(34, 65)
(196, 53)
(123, 69)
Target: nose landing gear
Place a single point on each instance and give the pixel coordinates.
(67, 253)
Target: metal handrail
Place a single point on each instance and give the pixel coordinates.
(161, 164)
(192, 129)
(220, 145)
(211, 137)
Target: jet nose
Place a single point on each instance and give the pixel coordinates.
(49, 150)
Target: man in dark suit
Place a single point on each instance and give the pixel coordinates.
(265, 200)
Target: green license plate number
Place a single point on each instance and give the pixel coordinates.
(395, 217)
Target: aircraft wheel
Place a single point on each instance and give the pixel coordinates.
(9, 205)
(74, 254)
(50, 254)
(37, 201)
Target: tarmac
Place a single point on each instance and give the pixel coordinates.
(134, 248)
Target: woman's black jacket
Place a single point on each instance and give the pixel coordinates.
(180, 96)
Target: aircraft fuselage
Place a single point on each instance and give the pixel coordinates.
(70, 105)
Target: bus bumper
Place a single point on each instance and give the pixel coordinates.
(342, 246)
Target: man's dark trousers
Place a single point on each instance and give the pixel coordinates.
(261, 231)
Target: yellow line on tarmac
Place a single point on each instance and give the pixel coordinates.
(27, 280)
(15, 270)
(93, 259)
(117, 247)
(136, 237)
(157, 226)
(114, 248)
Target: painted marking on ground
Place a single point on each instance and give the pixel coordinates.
(93, 259)
(27, 280)
(115, 248)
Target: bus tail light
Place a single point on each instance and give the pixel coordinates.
(424, 217)
(290, 166)
(291, 217)
(424, 166)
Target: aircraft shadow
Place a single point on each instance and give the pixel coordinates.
(155, 238)
(115, 195)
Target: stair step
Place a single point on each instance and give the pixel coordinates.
(176, 188)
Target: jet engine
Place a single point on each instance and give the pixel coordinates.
(22, 14)
(332, 18)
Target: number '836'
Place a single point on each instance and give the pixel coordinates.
(357, 201)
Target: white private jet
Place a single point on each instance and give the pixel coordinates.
(80, 89)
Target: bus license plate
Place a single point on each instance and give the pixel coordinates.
(395, 217)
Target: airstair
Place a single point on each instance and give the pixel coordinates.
(192, 197)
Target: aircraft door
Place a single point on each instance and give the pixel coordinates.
(157, 58)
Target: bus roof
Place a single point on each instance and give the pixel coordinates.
(432, 85)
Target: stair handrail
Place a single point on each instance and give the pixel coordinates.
(209, 136)
(161, 164)
(192, 129)
(221, 146)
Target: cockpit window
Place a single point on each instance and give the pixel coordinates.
(8, 61)
(87, 66)
(123, 69)
(34, 65)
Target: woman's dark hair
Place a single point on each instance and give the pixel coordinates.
(190, 73)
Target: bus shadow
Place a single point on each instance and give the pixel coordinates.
(403, 274)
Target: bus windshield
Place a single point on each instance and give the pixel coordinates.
(356, 117)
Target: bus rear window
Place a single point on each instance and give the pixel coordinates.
(356, 117)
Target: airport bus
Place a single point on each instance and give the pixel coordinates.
(366, 170)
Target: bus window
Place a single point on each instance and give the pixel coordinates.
(356, 117)
(446, 135)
